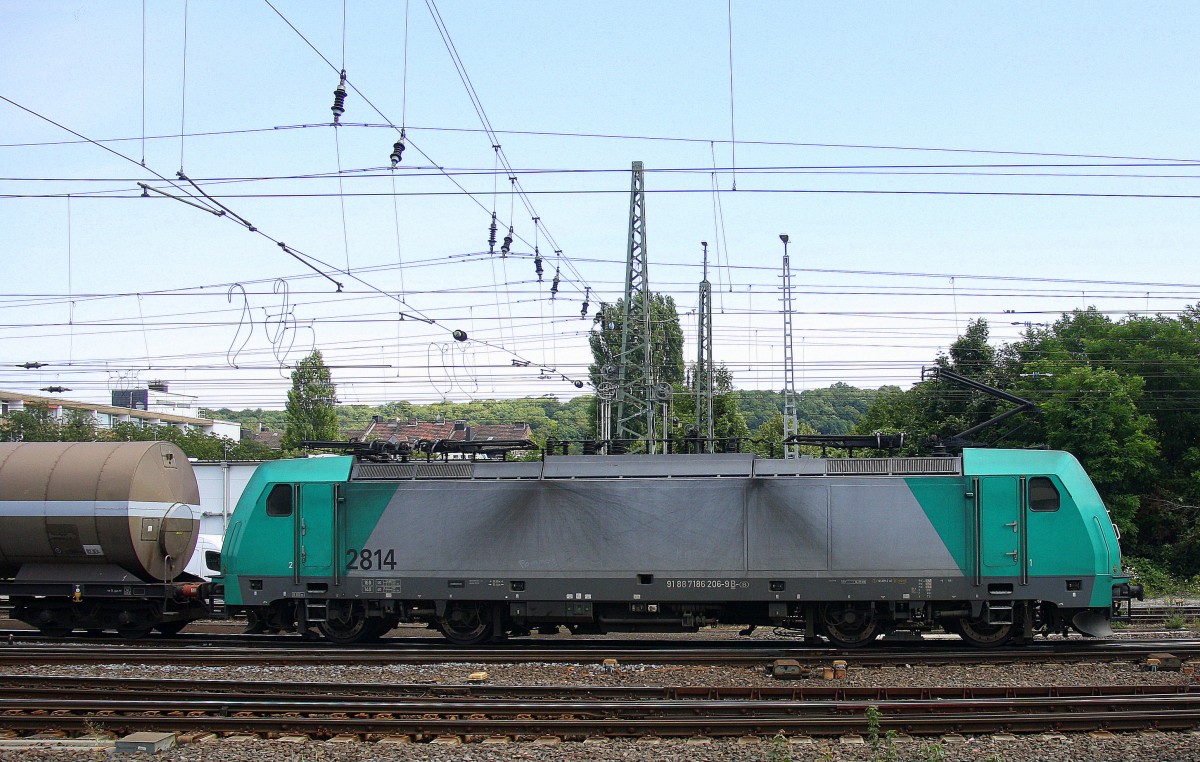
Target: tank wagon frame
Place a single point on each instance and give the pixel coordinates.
(992, 545)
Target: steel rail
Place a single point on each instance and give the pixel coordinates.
(274, 706)
(457, 721)
(31, 686)
(1056, 652)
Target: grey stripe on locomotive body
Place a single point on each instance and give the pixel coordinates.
(705, 527)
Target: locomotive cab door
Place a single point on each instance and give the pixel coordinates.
(1000, 525)
(315, 534)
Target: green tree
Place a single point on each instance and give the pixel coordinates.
(759, 406)
(310, 405)
(79, 426)
(1092, 413)
(666, 351)
(33, 424)
(728, 422)
(940, 409)
(768, 441)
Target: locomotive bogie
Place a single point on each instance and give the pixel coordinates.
(993, 546)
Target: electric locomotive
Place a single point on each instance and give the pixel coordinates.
(993, 545)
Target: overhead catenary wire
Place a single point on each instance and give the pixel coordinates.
(519, 293)
(637, 137)
(475, 101)
(183, 90)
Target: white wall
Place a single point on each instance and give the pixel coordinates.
(221, 484)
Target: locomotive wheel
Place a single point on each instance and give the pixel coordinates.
(466, 624)
(381, 626)
(981, 634)
(256, 624)
(849, 625)
(951, 625)
(346, 622)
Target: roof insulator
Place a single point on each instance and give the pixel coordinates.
(398, 150)
(339, 99)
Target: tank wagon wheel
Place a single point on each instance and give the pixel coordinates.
(849, 625)
(51, 624)
(170, 628)
(55, 630)
(134, 631)
(133, 624)
(466, 624)
(346, 622)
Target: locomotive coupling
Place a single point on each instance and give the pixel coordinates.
(1127, 592)
(191, 590)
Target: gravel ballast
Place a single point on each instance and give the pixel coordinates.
(1124, 747)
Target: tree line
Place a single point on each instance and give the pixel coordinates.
(1123, 396)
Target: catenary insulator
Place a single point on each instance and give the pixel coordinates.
(339, 99)
(506, 246)
(459, 335)
(492, 235)
(397, 152)
(554, 284)
(587, 292)
(537, 263)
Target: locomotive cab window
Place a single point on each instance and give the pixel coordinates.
(1043, 495)
(279, 500)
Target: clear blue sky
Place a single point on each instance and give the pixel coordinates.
(931, 162)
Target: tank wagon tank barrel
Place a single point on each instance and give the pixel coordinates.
(96, 535)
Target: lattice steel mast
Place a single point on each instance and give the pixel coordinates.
(790, 425)
(704, 360)
(636, 377)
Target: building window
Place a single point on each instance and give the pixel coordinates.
(1043, 495)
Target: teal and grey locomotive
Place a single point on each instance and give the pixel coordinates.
(992, 545)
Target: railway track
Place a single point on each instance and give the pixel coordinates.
(666, 652)
(1157, 615)
(421, 713)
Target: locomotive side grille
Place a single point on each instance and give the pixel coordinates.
(857, 466)
(432, 470)
(889, 466)
(644, 467)
(926, 465)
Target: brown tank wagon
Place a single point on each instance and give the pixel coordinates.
(96, 535)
